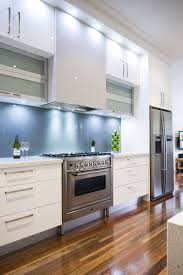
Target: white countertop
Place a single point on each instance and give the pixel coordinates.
(127, 155)
(28, 161)
(177, 219)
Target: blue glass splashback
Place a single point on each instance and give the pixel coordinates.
(53, 130)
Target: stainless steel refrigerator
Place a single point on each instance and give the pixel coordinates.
(161, 147)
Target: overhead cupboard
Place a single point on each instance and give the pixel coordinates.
(28, 25)
(23, 77)
(122, 78)
(159, 83)
(122, 64)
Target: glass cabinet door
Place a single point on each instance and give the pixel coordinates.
(22, 74)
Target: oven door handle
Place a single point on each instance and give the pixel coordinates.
(90, 172)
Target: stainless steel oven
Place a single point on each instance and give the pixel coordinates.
(87, 186)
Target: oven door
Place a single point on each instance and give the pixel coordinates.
(86, 188)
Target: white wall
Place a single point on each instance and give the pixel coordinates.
(177, 100)
(135, 130)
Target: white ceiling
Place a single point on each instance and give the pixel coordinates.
(159, 21)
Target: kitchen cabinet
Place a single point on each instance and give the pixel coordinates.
(30, 25)
(130, 178)
(122, 63)
(119, 98)
(6, 18)
(79, 65)
(34, 24)
(159, 83)
(31, 200)
(22, 78)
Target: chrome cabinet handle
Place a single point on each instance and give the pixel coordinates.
(19, 30)
(18, 219)
(123, 68)
(20, 190)
(127, 70)
(163, 99)
(9, 20)
(131, 187)
(18, 172)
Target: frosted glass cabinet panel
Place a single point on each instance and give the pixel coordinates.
(21, 86)
(22, 75)
(119, 98)
(20, 61)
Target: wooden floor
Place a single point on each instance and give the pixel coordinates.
(129, 242)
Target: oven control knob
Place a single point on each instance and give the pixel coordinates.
(90, 164)
(94, 163)
(77, 165)
(81, 165)
(86, 164)
(106, 161)
(70, 165)
(98, 162)
(102, 162)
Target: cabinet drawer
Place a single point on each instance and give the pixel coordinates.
(138, 173)
(23, 197)
(130, 162)
(129, 175)
(24, 224)
(130, 191)
(23, 175)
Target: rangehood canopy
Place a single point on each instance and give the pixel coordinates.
(67, 107)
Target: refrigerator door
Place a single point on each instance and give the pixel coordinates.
(155, 116)
(167, 118)
(168, 153)
(156, 177)
(157, 148)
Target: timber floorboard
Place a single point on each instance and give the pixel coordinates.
(132, 241)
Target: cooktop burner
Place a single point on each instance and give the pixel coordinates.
(68, 155)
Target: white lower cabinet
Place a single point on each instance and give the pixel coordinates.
(29, 196)
(130, 178)
(130, 191)
(30, 201)
(23, 224)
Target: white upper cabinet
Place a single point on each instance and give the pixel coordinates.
(30, 25)
(34, 24)
(6, 18)
(159, 83)
(122, 63)
(79, 64)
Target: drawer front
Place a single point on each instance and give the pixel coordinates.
(120, 177)
(24, 224)
(14, 199)
(131, 191)
(138, 173)
(138, 161)
(25, 175)
(130, 162)
(129, 175)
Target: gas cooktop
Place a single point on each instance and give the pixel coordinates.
(69, 155)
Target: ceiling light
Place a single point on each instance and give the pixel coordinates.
(14, 66)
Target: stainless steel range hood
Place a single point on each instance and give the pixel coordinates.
(67, 107)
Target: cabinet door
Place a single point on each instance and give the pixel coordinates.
(160, 92)
(115, 60)
(6, 18)
(122, 63)
(132, 67)
(166, 86)
(34, 24)
(155, 83)
(80, 63)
